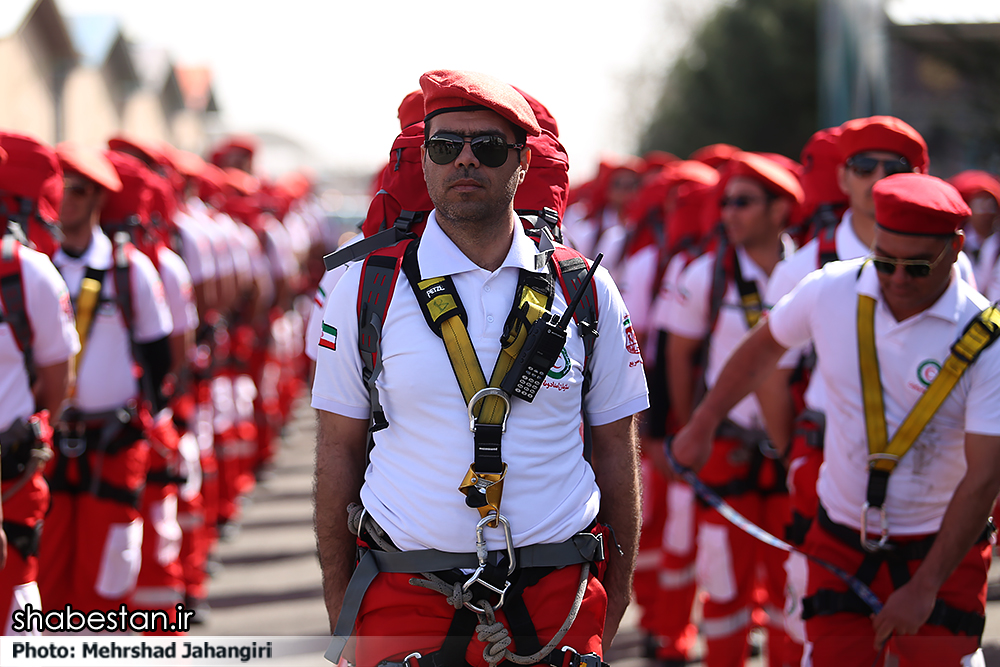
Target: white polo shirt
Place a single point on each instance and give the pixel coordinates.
(54, 339)
(687, 316)
(638, 277)
(660, 315)
(105, 380)
(411, 485)
(177, 291)
(314, 327)
(823, 309)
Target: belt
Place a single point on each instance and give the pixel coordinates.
(581, 548)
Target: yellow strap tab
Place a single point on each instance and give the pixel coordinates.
(752, 308)
(885, 455)
(86, 304)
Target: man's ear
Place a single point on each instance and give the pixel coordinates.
(781, 210)
(525, 161)
(959, 241)
(842, 178)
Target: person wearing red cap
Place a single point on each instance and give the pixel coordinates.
(759, 196)
(90, 552)
(473, 159)
(906, 520)
(981, 192)
(38, 339)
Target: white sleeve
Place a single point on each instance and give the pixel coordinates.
(790, 320)
(338, 386)
(982, 406)
(178, 292)
(617, 381)
(152, 315)
(50, 313)
(315, 325)
(783, 280)
(687, 314)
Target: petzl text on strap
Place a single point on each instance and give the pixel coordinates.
(488, 405)
(884, 454)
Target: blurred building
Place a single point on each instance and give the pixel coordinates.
(79, 78)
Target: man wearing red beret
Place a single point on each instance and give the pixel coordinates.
(540, 584)
(38, 339)
(719, 301)
(981, 192)
(904, 516)
(90, 551)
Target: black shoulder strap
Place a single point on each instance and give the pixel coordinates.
(753, 305)
(827, 246)
(400, 231)
(15, 312)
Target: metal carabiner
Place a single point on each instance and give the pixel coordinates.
(483, 393)
(870, 545)
(482, 554)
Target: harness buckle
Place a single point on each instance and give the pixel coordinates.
(882, 543)
(483, 393)
(415, 656)
(73, 446)
(483, 554)
(581, 659)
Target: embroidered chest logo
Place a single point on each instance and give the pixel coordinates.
(927, 371)
(561, 367)
(631, 342)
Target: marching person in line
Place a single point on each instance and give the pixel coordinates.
(473, 161)
(907, 516)
(981, 192)
(870, 149)
(38, 339)
(719, 300)
(90, 551)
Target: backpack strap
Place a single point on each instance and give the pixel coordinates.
(401, 230)
(571, 269)
(378, 282)
(15, 312)
(827, 246)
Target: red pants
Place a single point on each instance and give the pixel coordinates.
(676, 582)
(846, 639)
(803, 473)
(654, 515)
(729, 563)
(18, 578)
(160, 584)
(90, 550)
(397, 618)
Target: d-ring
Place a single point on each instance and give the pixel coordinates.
(483, 393)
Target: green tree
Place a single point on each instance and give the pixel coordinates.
(749, 78)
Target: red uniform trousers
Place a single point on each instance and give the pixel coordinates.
(654, 515)
(90, 551)
(160, 584)
(397, 618)
(18, 579)
(676, 582)
(729, 562)
(846, 639)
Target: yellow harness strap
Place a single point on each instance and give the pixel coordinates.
(86, 304)
(444, 311)
(884, 456)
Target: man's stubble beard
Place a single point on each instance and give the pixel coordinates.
(476, 216)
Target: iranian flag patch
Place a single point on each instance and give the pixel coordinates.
(329, 337)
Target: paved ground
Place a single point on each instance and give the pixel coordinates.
(269, 584)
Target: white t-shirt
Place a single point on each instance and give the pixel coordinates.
(638, 275)
(196, 246)
(105, 380)
(687, 316)
(986, 262)
(314, 327)
(823, 309)
(669, 287)
(54, 338)
(428, 442)
(177, 291)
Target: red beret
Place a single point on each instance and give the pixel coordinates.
(658, 159)
(32, 171)
(695, 211)
(186, 163)
(234, 143)
(883, 133)
(455, 90)
(89, 163)
(820, 159)
(244, 183)
(143, 150)
(411, 109)
(771, 175)
(973, 183)
(715, 154)
(545, 119)
(918, 204)
(133, 199)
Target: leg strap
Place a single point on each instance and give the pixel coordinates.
(23, 538)
(826, 602)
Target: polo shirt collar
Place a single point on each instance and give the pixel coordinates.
(947, 307)
(438, 255)
(97, 256)
(749, 269)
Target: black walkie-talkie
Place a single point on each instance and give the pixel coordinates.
(541, 349)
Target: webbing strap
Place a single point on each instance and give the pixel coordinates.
(442, 308)
(753, 306)
(15, 312)
(885, 454)
(85, 306)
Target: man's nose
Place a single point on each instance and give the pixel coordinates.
(467, 158)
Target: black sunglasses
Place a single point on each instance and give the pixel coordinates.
(865, 166)
(915, 268)
(78, 189)
(489, 149)
(740, 201)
